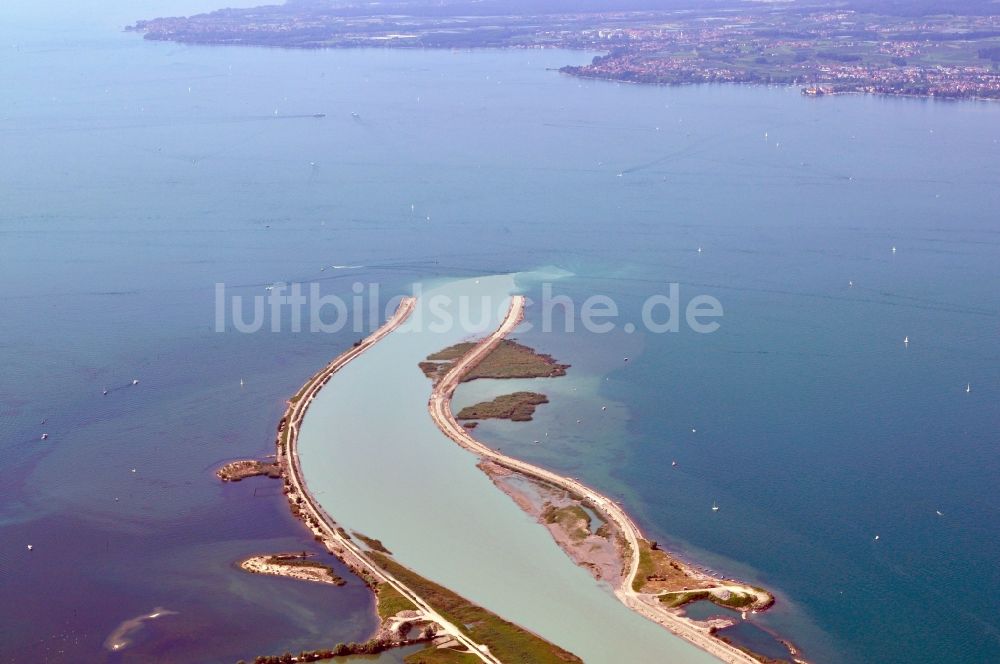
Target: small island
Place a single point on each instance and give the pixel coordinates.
(234, 471)
(518, 407)
(292, 565)
(508, 359)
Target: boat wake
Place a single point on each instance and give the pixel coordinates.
(121, 637)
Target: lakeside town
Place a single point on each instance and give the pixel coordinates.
(823, 51)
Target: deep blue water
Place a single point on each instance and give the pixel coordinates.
(124, 198)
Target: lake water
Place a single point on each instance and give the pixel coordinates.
(371, 454)
(135, 176)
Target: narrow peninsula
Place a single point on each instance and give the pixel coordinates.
(593, 530)
(412, 609)
(645, 578)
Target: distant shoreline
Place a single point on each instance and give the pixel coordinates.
(950, 56)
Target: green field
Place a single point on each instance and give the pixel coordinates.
(508, 642)
(373, 544)
(391, 601)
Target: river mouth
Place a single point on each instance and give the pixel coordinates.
(375, 461)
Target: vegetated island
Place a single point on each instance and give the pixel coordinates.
(594, 530)
(932, 48)
(412, 609)
(508, 360)
(518, 407)
(234, 471)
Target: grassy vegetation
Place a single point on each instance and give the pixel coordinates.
(435, 370)
(438, 364)
(508, 360)
(658, 571)
(373, 544)
(646, 566)
(735, 600)
(391, 601)
(240, 470)
(282, 436)
(508, 642)
(519, 407)
(297, 397)
(512, 360)
(573, 519)
(452, 353)
(674, 600)
(433, 655)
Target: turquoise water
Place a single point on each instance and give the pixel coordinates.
(371, 455)
(125, 198)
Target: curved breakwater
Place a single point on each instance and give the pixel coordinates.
(373, 457)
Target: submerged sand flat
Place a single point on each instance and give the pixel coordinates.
(375, 460)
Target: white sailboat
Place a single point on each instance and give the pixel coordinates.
(715, 508)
